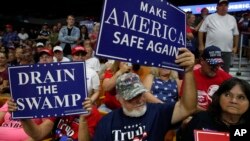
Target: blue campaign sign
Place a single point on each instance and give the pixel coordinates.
(48, 90)
(146, 32)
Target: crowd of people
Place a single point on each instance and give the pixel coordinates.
(130, 102)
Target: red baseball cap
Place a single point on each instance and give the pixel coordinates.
(78, 49)
(8, 26)
(47, 51)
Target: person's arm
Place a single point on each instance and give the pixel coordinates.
(201, 42)
(199, 25)
(179, 83)
(147, 82)
(109, 83)
(36, 132)
(83, 130)
(94, 96)
(95, 85)
(2, 114)
(63, 38)
(83, 133)
(76, 36)
(235, 43)
(188, 102)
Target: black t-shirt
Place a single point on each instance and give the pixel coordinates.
(201, 121)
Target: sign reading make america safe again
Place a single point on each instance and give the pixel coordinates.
(48, 90)
(146, 32)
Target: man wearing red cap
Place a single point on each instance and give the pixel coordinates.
(209, 76)
(10, 38)
(45, 56)
(93, 80)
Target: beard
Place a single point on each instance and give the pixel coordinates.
(135, 113)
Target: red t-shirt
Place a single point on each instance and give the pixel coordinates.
(110, 100)
(67, 126)
(207, 86)
(190, 29)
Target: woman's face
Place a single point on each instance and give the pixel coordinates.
(125, 66)
(3, 59)
(163, 72)
(234, 102)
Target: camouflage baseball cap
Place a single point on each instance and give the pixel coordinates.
(129, 86)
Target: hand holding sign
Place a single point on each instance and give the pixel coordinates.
(186, 59)
(87, 105)
(12, 106)
(51, 90)
(147, 33)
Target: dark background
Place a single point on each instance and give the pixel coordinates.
(50, 9)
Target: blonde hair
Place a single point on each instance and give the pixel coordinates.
(173, 74)
(115, 66)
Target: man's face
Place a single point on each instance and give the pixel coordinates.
(70, 20)
(210, 70)
(58, 54)
(135, 107)
(79, 56)
(222, 9)
(45, 58)
(18, 52)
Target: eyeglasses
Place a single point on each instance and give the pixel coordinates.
(238, 97)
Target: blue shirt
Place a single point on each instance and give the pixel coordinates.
(152, 126)
(9, 38)
(166, 91)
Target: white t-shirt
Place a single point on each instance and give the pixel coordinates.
(220, 31)
(93, 63)
(93, 80)
(65, 59)
(23, 36)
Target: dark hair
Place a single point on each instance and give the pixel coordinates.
(70, 15)
(215, 108)
(204, 9)
(86, 34)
